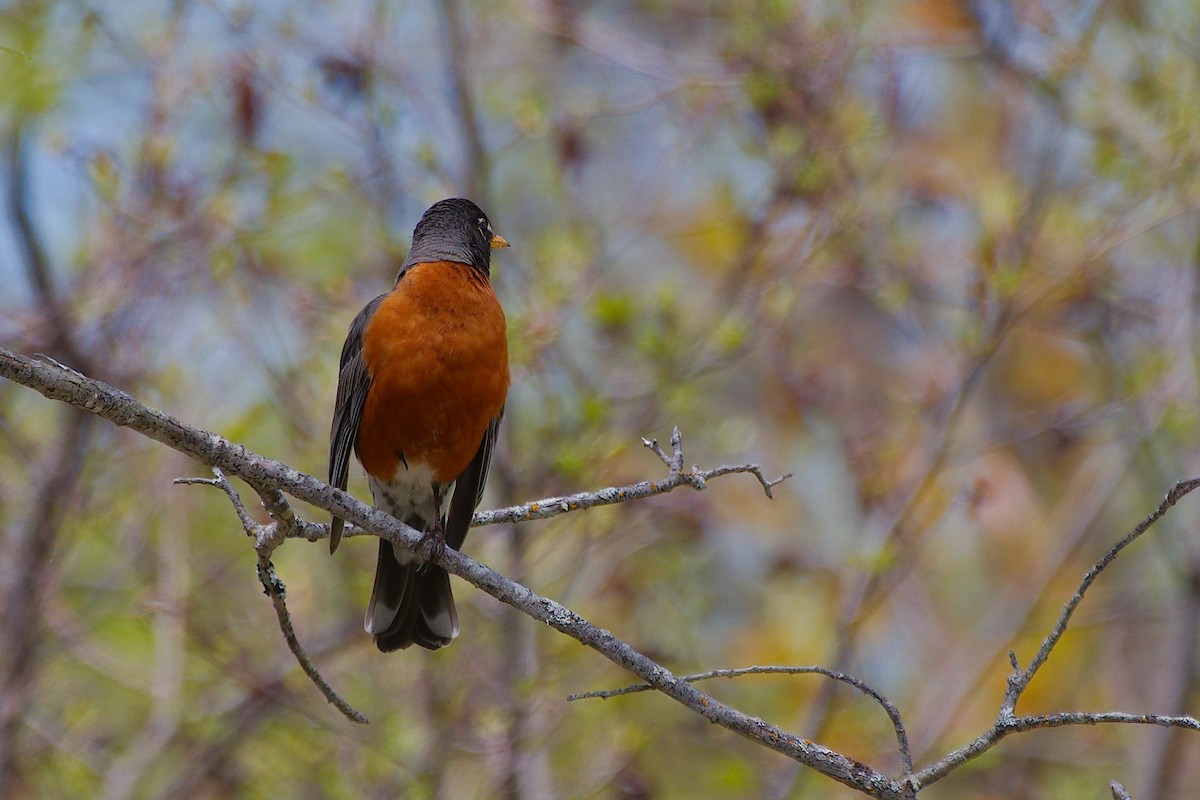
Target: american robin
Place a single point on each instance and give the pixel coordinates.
(423, 381)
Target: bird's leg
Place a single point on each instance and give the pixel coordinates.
(434, 540)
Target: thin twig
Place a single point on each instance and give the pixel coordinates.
(887, 705)
(548, 507)
(259, 471)
(266, 539)
(1118, 791)
(1019, 681)
(1006, 727)
(1006, 721)
(676, 477)
(222, 483)
(272, 478)
(277, 591)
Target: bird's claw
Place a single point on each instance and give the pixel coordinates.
(432, 545)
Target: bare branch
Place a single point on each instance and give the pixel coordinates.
(1006, 722)
(277, 591)
(888, 707)
(1010, 725)
(553, 506)
(1118, 791)
(676, 477)
(1019, 681)
(220, 482)
(267, 538)
(271, 478)
(698, 477)
(1064, 719)
(653, 446)
(260, 472)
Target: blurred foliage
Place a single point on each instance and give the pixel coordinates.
(937, 258)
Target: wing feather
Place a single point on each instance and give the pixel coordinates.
(468, 489)
(354, 382)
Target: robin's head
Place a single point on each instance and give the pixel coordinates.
(454, 230)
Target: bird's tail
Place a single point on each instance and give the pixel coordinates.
(411, 603)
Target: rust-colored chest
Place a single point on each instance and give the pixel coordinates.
(437, 353)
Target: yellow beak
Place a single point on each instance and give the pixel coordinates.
(498, 241)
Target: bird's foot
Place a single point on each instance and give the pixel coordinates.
(432, 545)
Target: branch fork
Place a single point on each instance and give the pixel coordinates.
(272, 479)
(266, 539)
(698, 478)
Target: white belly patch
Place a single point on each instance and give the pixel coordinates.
(409, 497)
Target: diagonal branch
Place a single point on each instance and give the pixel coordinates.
(266, 540)
(270, 479)
(548, 507)
(887, 705)
(61, 383)
(1019, 681)
(1006, 721)
(1011, 725)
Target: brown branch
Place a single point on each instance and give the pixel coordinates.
(61, 383)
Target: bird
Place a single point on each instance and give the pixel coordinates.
(422, 384)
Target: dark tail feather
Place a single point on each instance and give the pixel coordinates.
(410, 604)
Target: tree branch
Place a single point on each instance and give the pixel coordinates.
(1006, 722)
(270, 479)
(1011, 725)
(266, 539)
(549, 507)
(888, 707)
(62, 383)
(1019, 681)
(676, 477)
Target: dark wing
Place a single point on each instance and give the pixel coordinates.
(468, 489)
(353, 383)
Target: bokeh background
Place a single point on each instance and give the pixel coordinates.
(937, 258)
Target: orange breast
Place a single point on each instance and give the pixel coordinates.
(437, 353)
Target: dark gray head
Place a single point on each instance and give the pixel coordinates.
(454, 230)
